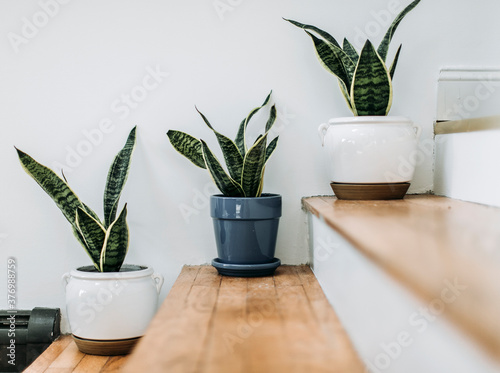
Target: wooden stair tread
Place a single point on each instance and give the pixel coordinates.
(62, 356)
(427, 243)
(213, 323)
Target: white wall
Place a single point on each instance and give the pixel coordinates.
(469, 175)
(67, 75)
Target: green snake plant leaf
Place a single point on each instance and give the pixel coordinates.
(350, 51)
(231, 153)
(325, 35)
(253, 168)
(258, 138)
(115, 245)
(117, 176)
(255, 160)
(91, 212)
(64, 176)
(242, 165)
(345, 93)
(224, 182)
(93, 233)
(395, 62)
(271, 148)
(371, 91)
(384, 45)
(53, 185)
(272, 118)
(81, 240)
(188, 146)
(240, 140)
(334, 59)
(269, 151)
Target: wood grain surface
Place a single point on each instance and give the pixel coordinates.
(62, 356)
(446, 251)
(211, 323)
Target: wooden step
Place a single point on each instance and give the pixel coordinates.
(62, 356)
(424, 241)
(213, 323)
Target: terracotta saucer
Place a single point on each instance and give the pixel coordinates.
(105, 347)
(381, 191)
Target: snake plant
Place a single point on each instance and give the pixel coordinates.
(364, 78)
(106, 242)
(245, 166)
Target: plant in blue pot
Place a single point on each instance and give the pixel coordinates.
(245, 219)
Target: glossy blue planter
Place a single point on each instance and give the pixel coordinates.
(245, 233)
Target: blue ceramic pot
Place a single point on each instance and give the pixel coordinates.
(246, 227)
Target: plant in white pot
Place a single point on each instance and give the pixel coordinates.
(245, 220)
(109, 304)
(370, 155)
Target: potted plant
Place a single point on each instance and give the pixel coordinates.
(109, 304)
(370, 154)
(245, 220)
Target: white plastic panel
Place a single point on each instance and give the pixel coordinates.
(468, 92)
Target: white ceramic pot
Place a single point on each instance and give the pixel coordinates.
(111, 305)
(370, 149)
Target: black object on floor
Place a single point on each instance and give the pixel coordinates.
(25, 334)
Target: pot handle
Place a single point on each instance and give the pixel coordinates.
(322, 132)
(158, 279)
(65, 279)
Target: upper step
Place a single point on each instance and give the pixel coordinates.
(424, 241)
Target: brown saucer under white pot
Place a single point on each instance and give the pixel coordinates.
(378, 191)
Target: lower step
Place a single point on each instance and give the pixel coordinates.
(415, 282)
(212, 323)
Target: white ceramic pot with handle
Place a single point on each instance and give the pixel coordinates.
(109, 311)
(370, 150)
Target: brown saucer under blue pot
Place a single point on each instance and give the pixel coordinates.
(246, 270)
